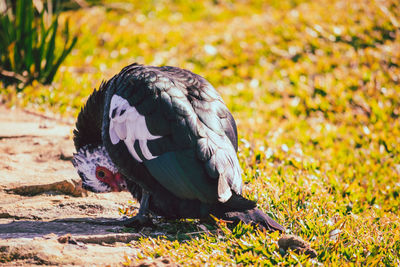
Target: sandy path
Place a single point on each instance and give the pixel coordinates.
(41, 200)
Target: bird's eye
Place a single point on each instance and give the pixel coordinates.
(101, 174)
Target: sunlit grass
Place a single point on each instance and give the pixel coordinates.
(314, 86)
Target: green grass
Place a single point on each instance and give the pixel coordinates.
(27, 46)
(314, 86)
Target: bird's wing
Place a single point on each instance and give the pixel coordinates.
(175, 123)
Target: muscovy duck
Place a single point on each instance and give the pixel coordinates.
(164, 134)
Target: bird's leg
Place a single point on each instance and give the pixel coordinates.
(144, 203)
(142, 218)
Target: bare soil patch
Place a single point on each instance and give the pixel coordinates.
(45, 216)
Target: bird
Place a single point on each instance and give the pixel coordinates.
(165, 135)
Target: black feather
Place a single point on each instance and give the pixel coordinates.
(90, 119)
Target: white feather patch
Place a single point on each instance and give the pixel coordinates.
(129, 127)
(224, 191)
(145, 150)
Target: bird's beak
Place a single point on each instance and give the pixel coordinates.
(120, 183)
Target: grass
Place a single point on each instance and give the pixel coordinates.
(314, 87)
(27, 44)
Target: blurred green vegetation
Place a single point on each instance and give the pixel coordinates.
(28, 49)
(314, 86)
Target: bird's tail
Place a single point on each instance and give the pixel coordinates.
(239, 209)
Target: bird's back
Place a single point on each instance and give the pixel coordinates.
(175, 124)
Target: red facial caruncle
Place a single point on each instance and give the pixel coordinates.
(114, 180)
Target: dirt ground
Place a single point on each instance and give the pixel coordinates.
(45, 217)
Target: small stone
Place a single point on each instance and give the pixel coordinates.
(296, 244)
(64, 239)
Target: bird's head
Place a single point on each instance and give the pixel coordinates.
(97, 171)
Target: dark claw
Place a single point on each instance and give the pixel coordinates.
(138, 222)
(255, 217)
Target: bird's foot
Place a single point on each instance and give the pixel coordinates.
(139, 221)
(255, 217)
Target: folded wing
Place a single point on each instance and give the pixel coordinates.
(175, 123)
